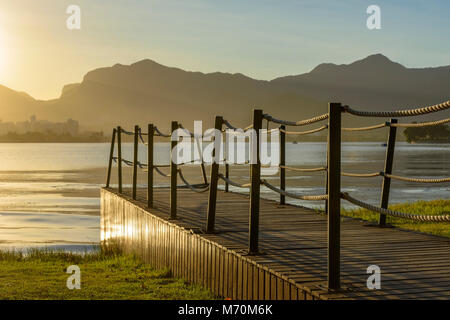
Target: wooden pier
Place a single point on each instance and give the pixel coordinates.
(292, 263)
(246, 247)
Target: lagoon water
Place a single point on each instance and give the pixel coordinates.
(49, 193)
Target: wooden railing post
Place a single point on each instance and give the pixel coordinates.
(334, 194)
(150, 168)
(213, 180)
(173, 172)
(282, 163)
(388, 169)
(227, 175)
(255, 176)
(119, 157)
(111, 155)
(135, 160)
(326, 185)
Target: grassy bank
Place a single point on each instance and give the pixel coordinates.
(435, 207)
(104, 275)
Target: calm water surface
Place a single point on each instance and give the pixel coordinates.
(49, 193)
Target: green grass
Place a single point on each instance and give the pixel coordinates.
(104, 275)
(435, 207)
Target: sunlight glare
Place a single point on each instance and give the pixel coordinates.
(3, 57)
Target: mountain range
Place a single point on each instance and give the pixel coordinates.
(150, 92)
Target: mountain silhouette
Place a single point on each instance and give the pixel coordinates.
(15, 105)
(147, 91)
(373, 83)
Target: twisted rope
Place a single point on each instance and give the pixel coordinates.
(130, 163)
(418, 180)
(159, 133)
(377, 126)
(127, 132)
(141, 137)
(361, 175)
(291, 195)
(304, 132)
(186, 130)
(415, 217)
(399, 113)
(194, 188)
(420, 124)
(297, 123)
(189, 162)
(235, 184)
(161, 173)
(304, 169)
(228, 125)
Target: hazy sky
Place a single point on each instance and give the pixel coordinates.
(263, 39)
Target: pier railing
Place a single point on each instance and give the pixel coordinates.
(332, 196)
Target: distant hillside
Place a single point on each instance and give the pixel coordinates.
(150, 92)
(147, 91)
(14, 104)
(373, 83)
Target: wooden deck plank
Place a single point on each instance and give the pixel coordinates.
(294, 245)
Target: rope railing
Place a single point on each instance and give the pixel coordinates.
(295, 196)
(130, 133)
(141, 134)
(200, 188)
(397, 214)
(417, 180)
(162, 173)
(420, 124)
(361, 175)
(296, 123)
(399, 125)
(231, 127)
(304, 169)
(160, 134)
(130, 163)
(303, 132)
(374, 127)
(235, 184)
(398, 113)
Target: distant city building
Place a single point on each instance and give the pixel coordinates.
(43, 126)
